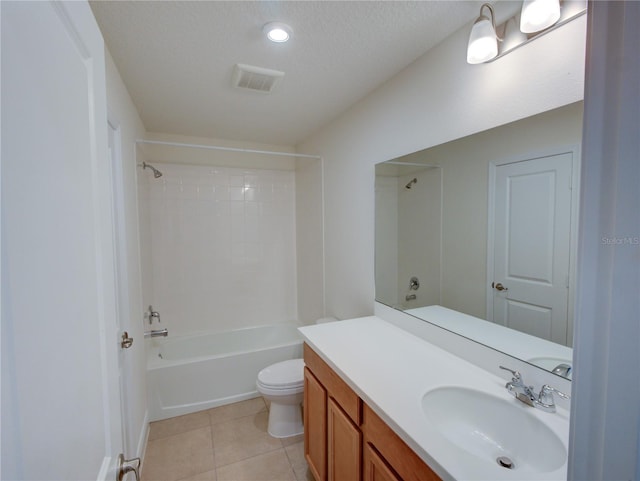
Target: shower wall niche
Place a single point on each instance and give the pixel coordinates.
(221, 246)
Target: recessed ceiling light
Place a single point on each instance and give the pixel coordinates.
(277, 32)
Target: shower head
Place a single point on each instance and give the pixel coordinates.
(412, 181)
(156, 173)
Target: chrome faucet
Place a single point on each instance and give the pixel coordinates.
(543, 400)
(158, 333)
(518, 388)
(563, 370)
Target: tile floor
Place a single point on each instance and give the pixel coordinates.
(228, 443)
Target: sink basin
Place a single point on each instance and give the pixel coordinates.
(490, 427)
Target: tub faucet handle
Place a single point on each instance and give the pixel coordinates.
(151, 315)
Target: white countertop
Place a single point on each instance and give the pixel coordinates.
(517, 344)
(391, 370)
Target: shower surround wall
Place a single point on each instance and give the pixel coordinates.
(408, 223)
(222, 247)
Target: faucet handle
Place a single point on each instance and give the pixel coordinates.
(516, 374)
(548, 391)
(545, 399)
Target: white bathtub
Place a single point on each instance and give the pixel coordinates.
(192, 373)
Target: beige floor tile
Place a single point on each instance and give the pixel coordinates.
(304, 474)
(208, 476)
(177, 425)
(292, 440)
(273, 466)
(236, 410)
(295, 453)
(180, 456)
(242, 438)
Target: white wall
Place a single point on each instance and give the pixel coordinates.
(124, 114)
(386, 239)
(308, 206)
(436, 99)
(179, 154)
(465, 165)
(419, 237)
(605, 417)
(309, 240)
(223, 247)
(408, 235)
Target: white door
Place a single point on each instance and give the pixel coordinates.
(61, 400)
(531, 246)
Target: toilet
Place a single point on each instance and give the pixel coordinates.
(282, 384)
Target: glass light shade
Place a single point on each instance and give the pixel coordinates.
(483, 43)
(539, 14)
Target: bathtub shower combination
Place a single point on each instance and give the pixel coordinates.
(220, 260)
(196, 372)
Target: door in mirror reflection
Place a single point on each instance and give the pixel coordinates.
(532, 209)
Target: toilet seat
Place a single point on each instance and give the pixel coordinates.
(285, 375)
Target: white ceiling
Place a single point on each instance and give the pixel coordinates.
(176, 59)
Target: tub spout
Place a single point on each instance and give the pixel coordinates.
(156, 333)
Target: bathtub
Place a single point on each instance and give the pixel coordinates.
(192, 373)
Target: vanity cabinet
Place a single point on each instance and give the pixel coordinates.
(315, 426)
(332, 418)
(344, 440)
(389, 458)
(376, 468)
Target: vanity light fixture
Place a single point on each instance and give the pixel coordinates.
(483, 40)
(277, 32)
(536, 18)
(539, 14)
(513, 36)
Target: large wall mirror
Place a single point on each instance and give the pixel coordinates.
(478, 236)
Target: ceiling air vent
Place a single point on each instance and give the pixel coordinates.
(255, 78)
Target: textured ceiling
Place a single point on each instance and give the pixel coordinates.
(177, 58)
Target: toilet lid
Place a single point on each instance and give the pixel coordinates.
(283, 374)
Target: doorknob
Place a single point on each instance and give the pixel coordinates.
(499, 286)
(126, 341)
(124, 467)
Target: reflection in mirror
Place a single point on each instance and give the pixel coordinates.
(478, 236)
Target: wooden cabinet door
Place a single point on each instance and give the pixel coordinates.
(344, 441)
(393, 450)
(375, 468)
(315, 426)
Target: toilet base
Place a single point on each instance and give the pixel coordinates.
(285, 420)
